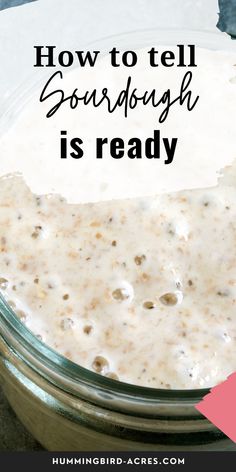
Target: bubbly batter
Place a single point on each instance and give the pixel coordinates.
(140, 290)
(140, 284)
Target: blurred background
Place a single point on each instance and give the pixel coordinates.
(13, 3)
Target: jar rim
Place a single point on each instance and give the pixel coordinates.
(52, 365)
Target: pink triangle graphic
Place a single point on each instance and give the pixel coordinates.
(219, 406)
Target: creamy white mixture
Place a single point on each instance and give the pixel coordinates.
(140, 289)
(143, 290)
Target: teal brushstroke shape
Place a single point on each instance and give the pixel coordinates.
(13, 3)
(227, 17)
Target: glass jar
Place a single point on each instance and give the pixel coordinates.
(67, 407)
